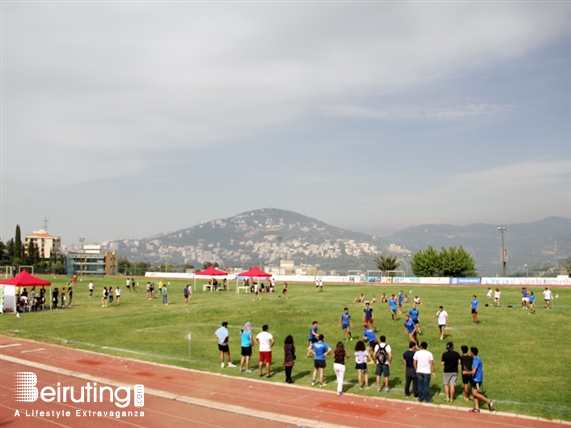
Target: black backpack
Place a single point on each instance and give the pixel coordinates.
(382, 356)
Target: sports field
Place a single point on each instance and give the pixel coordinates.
(526, 364)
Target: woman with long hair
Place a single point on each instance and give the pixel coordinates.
(339, 356)
(246, 342)
(361, 356)
(289, 360)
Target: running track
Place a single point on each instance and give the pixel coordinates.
(176, 397)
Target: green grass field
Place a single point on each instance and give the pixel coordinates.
(526, 363)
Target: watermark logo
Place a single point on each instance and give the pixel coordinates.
(26, 391)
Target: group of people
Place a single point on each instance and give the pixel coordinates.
(108, 294)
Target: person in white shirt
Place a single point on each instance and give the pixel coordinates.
(489, 296)
(117, 295)
(548, 296)
(265, 341)
(424, 366)
(442, 316)
(497, 295)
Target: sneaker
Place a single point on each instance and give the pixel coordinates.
(231, 365)
(491, 406)
(475, 410)
(312, 383)
(321, 385)
(268, 376)
(241, 370)
(378, 391)
(387, 390)
(430, 400)
(367, 387)
(339, 393)
(466, 399)
(361, 387)
(249, 372)
(222, 365)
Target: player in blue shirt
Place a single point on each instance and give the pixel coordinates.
(531, 303)
(393, 307)
(474, 306)
(410, 328)
(400, 300)
(346, 323)
(370, 339)
(414, 315)
(476, 381)
(368, 315)
(320, 349)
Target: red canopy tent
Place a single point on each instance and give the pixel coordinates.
(24, 279)
(211, 271)
(255, 272)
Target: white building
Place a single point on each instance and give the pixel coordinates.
(46, 243)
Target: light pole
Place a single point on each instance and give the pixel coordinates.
(502, 229)
(526, 270)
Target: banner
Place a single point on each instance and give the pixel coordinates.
(466, 281)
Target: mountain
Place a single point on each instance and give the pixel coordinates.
(264, 235)
(270, 235)
(537, 244)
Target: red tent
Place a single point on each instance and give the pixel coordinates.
(212, 271)
(255, 272)
(24, 279)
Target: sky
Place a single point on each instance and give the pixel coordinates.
(128, 119)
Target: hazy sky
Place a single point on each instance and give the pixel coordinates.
(126, 119)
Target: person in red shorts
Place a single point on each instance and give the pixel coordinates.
(265, 341)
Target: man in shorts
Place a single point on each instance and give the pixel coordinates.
(477, 374)
(524, 298)
(368, 316)
(90, 289)
(547, 296)
(383, 357)
(415, 316)
(265, 341)
(313, 336)
(393, 307)
(450, 361)
(222, 335)
(370, 338)
(410, 328)
(319, 349)
(442, 316)
(466, 361)
(474, 307)
(489, 294)
(346, 323)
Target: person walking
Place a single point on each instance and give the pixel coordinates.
(410, 375)
(368, 316)
(313, 336)
(450, 360)
(346, 323)
(442, 316)
(424, 367)
(466, 360)
(265, 341)
(70, 295)
(117, 295)
(548, 297)
(474, 306)
(164, 292)
(320, 350)
(90, 286)
(477, 374)
(410, 328)
(246, 345)
(289, 357)
(339, 356)
(415, 316)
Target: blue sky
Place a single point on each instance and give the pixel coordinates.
(124, 120)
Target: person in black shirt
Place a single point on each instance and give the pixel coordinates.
(466, 360)
(450, 361)
(408, 358)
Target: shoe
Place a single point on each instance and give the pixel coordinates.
(222, 365)
(474, 410)
(420, 400)
(339, 393)
(367, 387)
(268, 376)
(248, 371)
(491, 406)
(312, 383)
(466, 399)
(241, 370)
(387, 390)
(447, 399)
(361, 387)
(231, 365)
(378, 391)
(428, 401)
(321, 385)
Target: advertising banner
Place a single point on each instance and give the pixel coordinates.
(466, 281)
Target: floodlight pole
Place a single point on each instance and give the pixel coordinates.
(502, 229)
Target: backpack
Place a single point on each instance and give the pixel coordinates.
(382, 357)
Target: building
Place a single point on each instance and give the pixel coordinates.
(91, 262)
(46, 243)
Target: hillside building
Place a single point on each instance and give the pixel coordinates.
(46, 243)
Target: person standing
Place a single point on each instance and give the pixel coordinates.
(111, 295)
(90, 289)
(289, 357)
(246, 344)
(346, 323)
(489, 296)
(368, 316)
(415, 316)
(320, 350)
(383, 357)
(339, 356)
(185, 294)
(442, 316)
(410, 376)
(466, 360)
(164, 292)
(477, 374)
(531, 303)
(128, 284)
(474, 306)
(104, 294)
(223, 337)
(361, 357)
(133, 285)
(265, 341)
(450, 360)
(117, 296)
(55, 298)
(497, 296)
(548, 297)
(70, 295)
(424, 367)
(313, 337)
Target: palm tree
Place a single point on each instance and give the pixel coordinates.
(387, 263)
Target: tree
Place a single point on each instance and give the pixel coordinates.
(32, 253)
(18, 247)
(387, 263)
(4, 259)
(426, 263)
(206, 265)
(449, 262)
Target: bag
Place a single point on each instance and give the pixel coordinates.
(382, 357)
